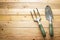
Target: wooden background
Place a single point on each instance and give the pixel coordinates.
(16, 22)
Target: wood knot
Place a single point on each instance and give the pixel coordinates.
(33, 39)
(2, 29)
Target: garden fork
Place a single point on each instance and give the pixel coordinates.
(37, 19)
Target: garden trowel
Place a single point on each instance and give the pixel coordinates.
(49, 17)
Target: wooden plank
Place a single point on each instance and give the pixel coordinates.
(25, 11)
(27, 33)
(45, 1)
(32, 5)
(21, 21)
(26, 24)
(26, 7)
(23, 18)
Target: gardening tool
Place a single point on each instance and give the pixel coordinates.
(49, 17)
(38, 20)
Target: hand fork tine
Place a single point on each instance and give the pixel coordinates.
(38, 12)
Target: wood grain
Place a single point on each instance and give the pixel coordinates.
(44, 1)
(18, 5)
(25, 11)
(27, 33)
(21, 21)
(16, 22)
(24, 28)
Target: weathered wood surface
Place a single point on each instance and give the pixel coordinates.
(16, 22)
(26, 11)
(24, 28)
(44, 1)
(19, 5)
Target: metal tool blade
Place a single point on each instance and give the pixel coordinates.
(48, 13)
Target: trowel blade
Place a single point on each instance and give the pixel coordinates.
(48, 13)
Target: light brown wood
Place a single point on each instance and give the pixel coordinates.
(26, 7)
(21, 21)
(18, 5)
(16, 22)
(24, 28)
(44, 1)
(26, 33)
(25, 11)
